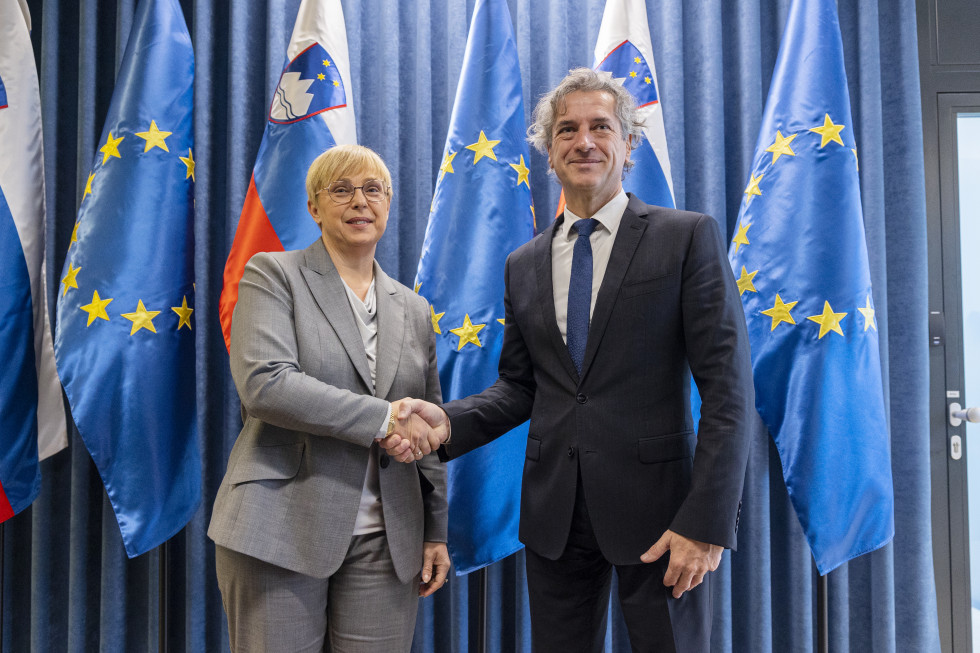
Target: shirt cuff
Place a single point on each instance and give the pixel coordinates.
(383, 431)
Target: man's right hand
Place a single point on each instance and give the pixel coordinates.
(421, 427)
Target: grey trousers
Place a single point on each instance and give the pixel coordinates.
(362, 608)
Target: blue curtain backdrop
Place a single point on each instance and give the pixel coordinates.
(67, 583)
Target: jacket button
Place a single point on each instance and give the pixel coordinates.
(383, 461)
(581, 398)
(571, 452)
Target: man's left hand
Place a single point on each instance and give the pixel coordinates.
(690, 560)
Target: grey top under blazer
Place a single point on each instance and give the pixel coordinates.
(668, 307)
(293, 485)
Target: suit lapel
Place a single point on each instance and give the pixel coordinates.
(631, 229)
(391, 330)
(546, 298)
(328, 291)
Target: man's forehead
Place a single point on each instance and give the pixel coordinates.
(602, 104)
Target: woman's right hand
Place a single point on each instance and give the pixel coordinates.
(421, 427)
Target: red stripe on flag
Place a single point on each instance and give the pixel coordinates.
(609, 54)
(6, 510)
(254, 234)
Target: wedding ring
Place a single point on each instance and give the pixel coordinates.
(418, 453)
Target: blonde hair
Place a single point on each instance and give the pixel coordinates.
(343, 161)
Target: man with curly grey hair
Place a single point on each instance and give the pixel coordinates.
(585, 80)
(608, 314)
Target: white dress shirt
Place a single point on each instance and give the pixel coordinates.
(562, 249)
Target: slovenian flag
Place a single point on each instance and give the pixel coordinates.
(623, 50)
(31, 407)
(312, 110)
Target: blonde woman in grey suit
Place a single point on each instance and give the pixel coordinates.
(318, 538)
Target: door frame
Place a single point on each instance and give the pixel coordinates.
(950, 522)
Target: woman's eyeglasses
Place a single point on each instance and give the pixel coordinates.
(342, 192)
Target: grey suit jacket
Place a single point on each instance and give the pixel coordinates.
(293, 485)
(668, 307)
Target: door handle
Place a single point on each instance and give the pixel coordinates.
(958, 414)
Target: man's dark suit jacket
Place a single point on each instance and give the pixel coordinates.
(668, 307)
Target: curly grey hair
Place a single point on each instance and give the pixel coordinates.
(546, 112)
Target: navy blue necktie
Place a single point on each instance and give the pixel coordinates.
(580, 292)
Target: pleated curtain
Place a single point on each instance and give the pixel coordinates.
(67, 583)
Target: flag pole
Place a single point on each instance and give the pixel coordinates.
(164, 591)
(822, 614)
(481, 625)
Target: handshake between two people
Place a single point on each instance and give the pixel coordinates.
(420, 428)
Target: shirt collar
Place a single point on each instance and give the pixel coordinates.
(370, 298)
(609, 216)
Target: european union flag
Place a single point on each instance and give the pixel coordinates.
(125, 340)
(481, 212)
(801, 261)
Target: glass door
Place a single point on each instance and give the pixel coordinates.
(954, 332)
(968, 178)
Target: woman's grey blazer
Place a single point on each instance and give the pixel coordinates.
(293, 485)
